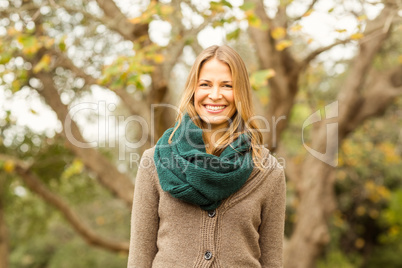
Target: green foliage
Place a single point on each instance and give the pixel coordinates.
(337, 259)
(125, 71)
(247, 6)
(392, 219)
(388, 255)
(369, 200)
(85, 257)
(259, 79)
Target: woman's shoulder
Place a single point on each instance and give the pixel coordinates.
(269, 161)
(149, 153)
(147, 159)
(269, 165)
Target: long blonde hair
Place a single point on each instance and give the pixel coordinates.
(241, 122)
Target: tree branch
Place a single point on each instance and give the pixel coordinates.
(36, 186)
(120, 23)
(311, 6)
(304, 63)
(197, 48)
(284, 85)
(350, 97)
(89, 15)
(135, 107)
(106, 172)
(372, 34)
(383, 90)
(174, 51)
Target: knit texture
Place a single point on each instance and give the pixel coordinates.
(246, 230)
(190, 174)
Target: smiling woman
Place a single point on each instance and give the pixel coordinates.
(219, 78)
(214, 98)
(209, 194)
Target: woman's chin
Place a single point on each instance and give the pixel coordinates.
(215, 122)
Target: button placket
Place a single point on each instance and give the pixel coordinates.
(208, 237)
(208, 255)
(211, 213)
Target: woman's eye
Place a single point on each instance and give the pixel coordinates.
(229, 86)
(203, 85)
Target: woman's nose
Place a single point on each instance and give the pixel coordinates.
(215, 93)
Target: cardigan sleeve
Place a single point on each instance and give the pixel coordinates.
(273, 223)
(144, 217)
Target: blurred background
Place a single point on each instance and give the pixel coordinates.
(87, 86)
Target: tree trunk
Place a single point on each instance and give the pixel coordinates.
(316, 205)
(317, 201)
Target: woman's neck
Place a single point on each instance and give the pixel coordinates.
(210, 139)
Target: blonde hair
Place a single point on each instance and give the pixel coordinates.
(241, 122)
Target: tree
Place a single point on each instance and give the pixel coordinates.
(60, 49)
(359, 99)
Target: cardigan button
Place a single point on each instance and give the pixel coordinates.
(208, 255)
(211, 213)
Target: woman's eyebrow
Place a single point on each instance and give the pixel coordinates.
(223, 82)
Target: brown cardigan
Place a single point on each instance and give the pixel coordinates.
(246, 230)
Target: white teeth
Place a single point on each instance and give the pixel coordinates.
(214, 108)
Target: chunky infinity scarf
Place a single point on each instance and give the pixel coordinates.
(188, 173)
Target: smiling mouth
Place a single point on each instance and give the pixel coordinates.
(215, 107)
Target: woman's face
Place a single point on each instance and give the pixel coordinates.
(213, 97)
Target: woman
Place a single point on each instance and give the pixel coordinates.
(209, 194)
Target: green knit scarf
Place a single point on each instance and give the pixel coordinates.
(190, 174)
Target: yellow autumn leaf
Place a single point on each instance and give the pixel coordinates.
(359, 243)
(46, 41)
(389, 152)
(166, 10)
(278, 33)
(16, 85)
(9, 166)
(281, 45)
(12, 31)
(43, 64)
(356, 36)
(362, 18)
(159, 58)
(308, 13)
(296, 28)
(135, 20)
(360, 210)
(393, 231)
(310, 40)
(370, 186)
(29, 43)
(253, 20)
(384, 192)
(76, 167)
(340, 30)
